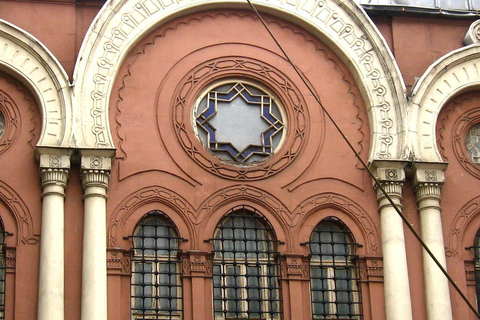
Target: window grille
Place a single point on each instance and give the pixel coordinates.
(156, 283)
(476, 248)
(246, 281)
(335, 283)
(3, 269)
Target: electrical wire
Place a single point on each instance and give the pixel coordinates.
(375, 179)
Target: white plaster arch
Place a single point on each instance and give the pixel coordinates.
(452, 74)
(28, 60)
(342, 24)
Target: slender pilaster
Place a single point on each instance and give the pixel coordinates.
(95, 176)
(428, 184)
(54, 175)
(395, 270)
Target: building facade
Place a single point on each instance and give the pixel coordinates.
(198, 160)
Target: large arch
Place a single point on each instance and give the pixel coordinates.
(28, 60)
(343, 25)
(452, 74)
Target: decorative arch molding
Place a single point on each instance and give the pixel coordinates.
(24, 57)
(211, 210)
(452, 74)
(348, 207)
(467, 217)
(25, 232)
(142, 197)
(343, 25)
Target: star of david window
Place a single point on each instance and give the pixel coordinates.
(239, 122)
(2, 125)
(472, 143)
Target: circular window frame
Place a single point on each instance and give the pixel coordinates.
(460, 130)
(12, 121)
(266, 91)
(262, 75)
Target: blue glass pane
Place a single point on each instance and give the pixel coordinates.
(240, 122)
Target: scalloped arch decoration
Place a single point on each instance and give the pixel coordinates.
(25, 227)
(343, 25)
(142, 197)
(344, 204)
(462, 220)
(24, 57)
(452, 74)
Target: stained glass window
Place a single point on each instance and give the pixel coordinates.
(472, 143)
(239, 122)
(2, 125)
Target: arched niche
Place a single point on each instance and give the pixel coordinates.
(28, 60)
(343, 25)
(456, 72)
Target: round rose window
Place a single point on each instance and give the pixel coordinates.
(472, 143)
(2, 125)
(239, 122)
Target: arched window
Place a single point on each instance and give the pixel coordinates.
(476, 248)
(3, 269)
(156, 285)
(246, 280)
(334, 272)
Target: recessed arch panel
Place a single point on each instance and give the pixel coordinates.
(343, 25)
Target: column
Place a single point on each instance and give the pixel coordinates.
(428, 181)
(396, 281)
(54, 175)
(95, 176)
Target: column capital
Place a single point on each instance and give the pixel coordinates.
(95, 171)
(54, 173)
(391, 176)
(428, 179)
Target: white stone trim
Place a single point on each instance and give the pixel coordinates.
(343, 25)
(452, 74)
(27, 59)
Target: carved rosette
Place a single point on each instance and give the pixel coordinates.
(473, 34)
(295, 267)
(197, 264)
